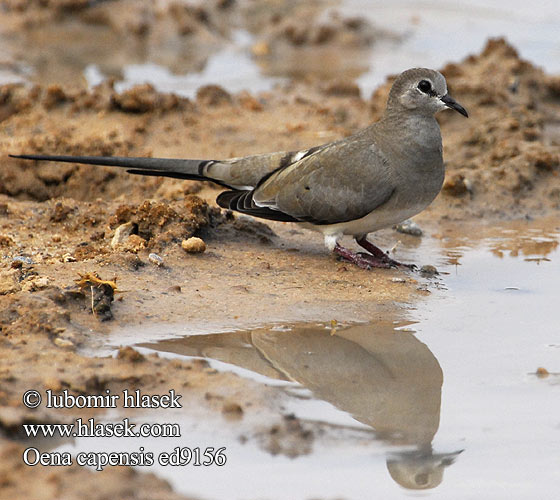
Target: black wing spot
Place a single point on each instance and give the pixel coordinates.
(242, 201)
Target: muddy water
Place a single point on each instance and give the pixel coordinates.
(443, 397)
(413, 34)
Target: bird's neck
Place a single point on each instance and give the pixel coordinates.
(414, 130)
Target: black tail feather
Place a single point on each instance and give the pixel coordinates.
(164, 167)
(161, 164)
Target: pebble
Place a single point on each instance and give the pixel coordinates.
(60, 342)
(428, 270)
(193, 245)
(409, 227)
(154, 258)
(121, 234)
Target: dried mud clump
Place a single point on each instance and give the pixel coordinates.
(14, 98)
(160, 224)
(503, 153)
(213, 95)
(131, 355)
(143, 99)
(54, 95)
(66, 121)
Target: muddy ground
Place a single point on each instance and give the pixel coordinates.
(58, 222)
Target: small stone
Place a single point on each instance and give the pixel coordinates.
(408, 227)
(193, 245)
(428, 270)
(64, 343)
(398, 280)
(154, 258)
(67, 257)
(121, 234)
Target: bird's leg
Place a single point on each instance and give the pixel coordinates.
(380, 254)
(362, 260)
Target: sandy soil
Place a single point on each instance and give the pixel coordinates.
(57, 223)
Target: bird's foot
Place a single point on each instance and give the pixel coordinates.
(362, 260)
(381, 255)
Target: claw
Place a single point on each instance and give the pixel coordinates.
(381, 255)
(362, 260)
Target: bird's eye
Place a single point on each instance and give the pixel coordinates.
(425, 86)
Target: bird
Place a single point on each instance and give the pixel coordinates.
(376, 178)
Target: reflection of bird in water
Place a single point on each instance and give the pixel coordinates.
(419, 469)
(386, 379)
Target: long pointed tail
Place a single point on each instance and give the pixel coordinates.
(164, 167)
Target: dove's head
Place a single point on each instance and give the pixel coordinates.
(423, 91)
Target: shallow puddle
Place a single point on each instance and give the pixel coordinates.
(443, 398)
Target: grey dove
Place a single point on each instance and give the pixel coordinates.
(378, 177)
